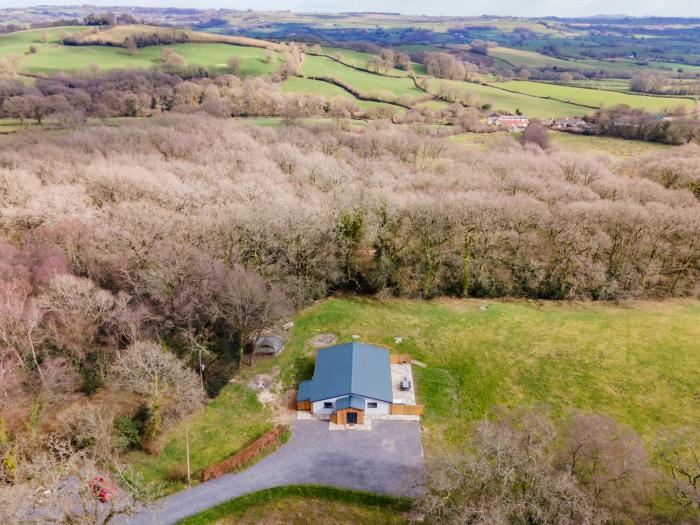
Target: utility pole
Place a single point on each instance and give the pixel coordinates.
(187, 451)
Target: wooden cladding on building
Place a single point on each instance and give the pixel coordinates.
(406, 410)
(341, 416)
(304, 405)
(399, 359)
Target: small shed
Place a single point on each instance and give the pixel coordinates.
(270, 345)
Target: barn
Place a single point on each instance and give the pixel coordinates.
(350, 381)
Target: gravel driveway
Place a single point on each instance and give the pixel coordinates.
(387, 459)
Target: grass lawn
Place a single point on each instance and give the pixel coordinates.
(302, 504)
(506, 101)
(596, 98)
(636, 363)
(227, 424)
(366, 83)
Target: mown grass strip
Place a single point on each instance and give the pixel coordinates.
(238, 506)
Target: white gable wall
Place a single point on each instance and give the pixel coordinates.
(381, 410)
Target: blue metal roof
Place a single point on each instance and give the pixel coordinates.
(351, 368)
(350, 402)
(304, 392)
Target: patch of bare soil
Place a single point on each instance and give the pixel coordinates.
(324, 340)
(270, 394)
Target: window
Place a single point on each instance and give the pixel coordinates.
(371, 404)
(328, 404)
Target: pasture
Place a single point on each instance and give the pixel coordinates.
(360, 59)
(317, 87)
(525, 58)
(595, 97)
(52, 57)
(365, 83)
(590, 144)
(594, 145)
(636, 363)
(509, 102)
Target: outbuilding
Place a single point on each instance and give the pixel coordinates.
(270, 345)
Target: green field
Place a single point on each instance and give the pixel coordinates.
(20, 41)
(636, 363)
(51, 57)
(225, 425)
(588, 144)
(604, 145)
(509, 102)
(303, 504)
(365, 83)
(559, 101)
(525, 58)
(273, 122)
(609, 84)
(596, 98)
(360, 59)
(327, 90)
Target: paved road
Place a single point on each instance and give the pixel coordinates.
(387, 459)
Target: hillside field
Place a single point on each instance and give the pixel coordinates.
(525, 58)
(51, 57)
(506, 101)
(636, 363)
(366, 83)
(329, 91)
(596, 97)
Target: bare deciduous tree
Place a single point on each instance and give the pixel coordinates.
(507, 476)
(160, 378)
(678, 457)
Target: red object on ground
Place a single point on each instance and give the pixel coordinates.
(102, 489)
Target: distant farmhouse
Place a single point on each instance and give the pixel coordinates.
(353, 382)
(572, 124)
(509, 122)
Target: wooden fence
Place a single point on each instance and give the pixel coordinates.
(244, 456)
(399, 359)
(406, 410)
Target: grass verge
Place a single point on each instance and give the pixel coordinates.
(239, 507)
(224, 426)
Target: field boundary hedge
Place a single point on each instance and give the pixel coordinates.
(354, 92)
